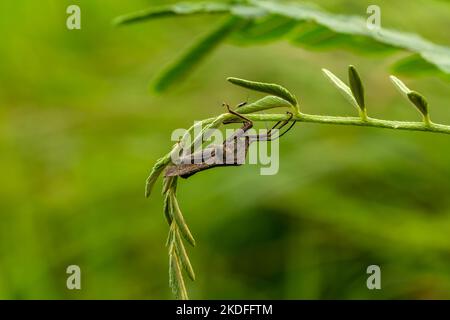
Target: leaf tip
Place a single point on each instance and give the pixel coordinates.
(118, 21)
(326, 71)
(401, 87)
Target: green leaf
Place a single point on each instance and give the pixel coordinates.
(169, 239)
(168, 209)
(343, 88)
(176, 281)
(179, 9)
(246, 11)
(155, 173)
(178, 217)
(184, 259)
(356, 26)
(265, 29)
(193, 56)
(316, 37)
(419, 102)
(356, 86)
(169, 183)
(412, 96)
(268, 102)
(270, 88)
(414, 65)
(268, 20)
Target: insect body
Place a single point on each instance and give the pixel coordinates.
(232, 152)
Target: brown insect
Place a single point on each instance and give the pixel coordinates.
(232, 152)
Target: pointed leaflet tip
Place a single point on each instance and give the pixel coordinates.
(155, 173)
(401, 87)
(414, 97)
(343, 88)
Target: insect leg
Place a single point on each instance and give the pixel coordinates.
(280, 124)
(236, 114)
(285, 122)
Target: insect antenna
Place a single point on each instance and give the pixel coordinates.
(235, 113)
(241, 104)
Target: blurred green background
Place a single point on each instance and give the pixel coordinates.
(79, 132)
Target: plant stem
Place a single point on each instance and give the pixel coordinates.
(350, 121)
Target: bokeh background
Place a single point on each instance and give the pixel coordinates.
(79, 132)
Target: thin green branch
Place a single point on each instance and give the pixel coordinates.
(349, 121)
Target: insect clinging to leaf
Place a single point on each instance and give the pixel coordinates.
(232, 152)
